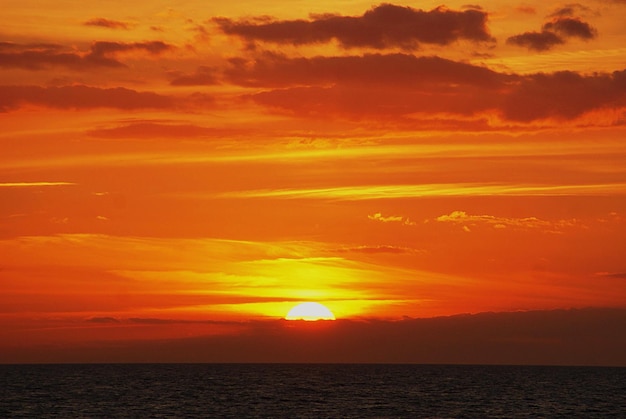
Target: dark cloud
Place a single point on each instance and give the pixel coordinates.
(375, 85)
(384, 26)
(397, 86)
(555, 32)
(563, 95)
(105, 48)
(100, 54)
(42, 56)
(374, 103)
(80, 97)
(203, 76)
(107, 23)
(537, 41)
(571, 27)
(372, 69)
(570, 10)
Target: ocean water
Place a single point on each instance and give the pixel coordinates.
(310, 391)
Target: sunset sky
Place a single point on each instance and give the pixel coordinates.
(179, 171)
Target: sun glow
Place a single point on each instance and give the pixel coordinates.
(310, 312)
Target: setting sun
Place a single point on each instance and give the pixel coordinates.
(310, 312)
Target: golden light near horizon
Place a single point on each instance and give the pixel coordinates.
(310, 311)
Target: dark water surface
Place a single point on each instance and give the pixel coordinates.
(312, 390)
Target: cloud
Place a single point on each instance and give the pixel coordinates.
(368, 192)
(616, 275)
(401, 70)
(103, 320)
(526, 9)
(465, 220)
(383, 26)
(399, 86)
(563, 95)
(555, 32)
(156, 130)
(377, 249)
(570, 10)
(571, 27)
(100, 54)
(107, 23)
(104, 48)
(537, 41)
(41, 56)
(33, 184)
(203, 76)
(390, 219)
(80, 97)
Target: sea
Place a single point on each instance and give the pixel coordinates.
(310, 391)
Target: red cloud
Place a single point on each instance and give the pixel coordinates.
(80, 97)
(383, 26)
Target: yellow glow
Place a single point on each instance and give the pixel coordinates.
(310, 311)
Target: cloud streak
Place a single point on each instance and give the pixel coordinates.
(368, 192)
(33, 184)
(107, 23)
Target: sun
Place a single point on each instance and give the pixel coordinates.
(310, 312)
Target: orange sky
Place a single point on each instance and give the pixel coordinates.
(170, 171)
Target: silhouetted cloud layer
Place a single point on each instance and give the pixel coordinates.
(80, 97)
(383, 26)
(559, 337)
(397, 85)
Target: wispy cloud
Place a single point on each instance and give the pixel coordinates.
(362, 192)
(33, 184)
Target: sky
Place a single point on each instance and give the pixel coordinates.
(176, 176)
